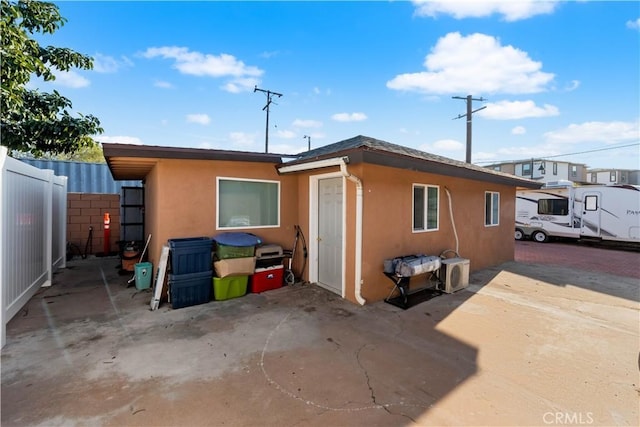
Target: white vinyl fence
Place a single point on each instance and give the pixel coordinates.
(33, 230)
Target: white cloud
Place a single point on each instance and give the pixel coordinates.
(525, 152)
(133, 140)
(602, 132)
(483, 156)
(242, 139)
(285, 134)
(634, 25)
(443, 145)
(200, 64)
(318, 91)
(240, 85)
(518, 130)
(474, 64)
(202, 119)
(163, 84)
(301, 123)
(510, 10)
(69, 79)
(269, 54)
(349, 117)
(409, 132)
(205, 145)
(290, 148)
(511, 110)
(575, 84)
(109, 64)
(449, 145)
(194, 63)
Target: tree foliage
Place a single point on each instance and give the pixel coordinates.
(91, 153)
(33, 121)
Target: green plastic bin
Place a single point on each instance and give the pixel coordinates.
(226, 252)
(143, 272)
(229, 287)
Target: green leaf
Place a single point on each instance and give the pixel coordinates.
(32, 121)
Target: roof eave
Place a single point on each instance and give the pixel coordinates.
(400, 161)
(128, 161)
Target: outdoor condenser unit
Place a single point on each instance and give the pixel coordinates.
(455, 273)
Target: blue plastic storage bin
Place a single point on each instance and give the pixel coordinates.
(234, 238)
(190, 289)
(190, 255)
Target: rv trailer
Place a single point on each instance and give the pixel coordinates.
(561, 209)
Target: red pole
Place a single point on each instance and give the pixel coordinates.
(107, 234)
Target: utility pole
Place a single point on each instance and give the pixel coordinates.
(266, 107)
(469, 115)
(308, 138)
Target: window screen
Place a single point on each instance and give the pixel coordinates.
(246, 203)
(491, 208)
(425, 207)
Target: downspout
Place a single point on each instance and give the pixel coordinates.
(453, 223)
(358, 256)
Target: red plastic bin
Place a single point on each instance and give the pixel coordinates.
(266, 279)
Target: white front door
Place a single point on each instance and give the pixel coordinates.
(329, 236)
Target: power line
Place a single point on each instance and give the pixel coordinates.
(564, 155)
(266, 107)
(469, 115)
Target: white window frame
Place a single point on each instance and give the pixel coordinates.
(426, 217)
(265, 181)
(493, 221)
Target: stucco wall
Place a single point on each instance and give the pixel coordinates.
(180, 200)
(388, 223)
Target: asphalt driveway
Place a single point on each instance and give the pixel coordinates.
(525, 344)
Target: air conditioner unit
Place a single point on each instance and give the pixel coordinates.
(455, 273)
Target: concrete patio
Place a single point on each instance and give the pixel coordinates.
(523, 345)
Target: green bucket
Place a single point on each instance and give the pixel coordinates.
(143, 274)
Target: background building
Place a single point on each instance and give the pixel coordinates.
(543, 170)
(613, 176)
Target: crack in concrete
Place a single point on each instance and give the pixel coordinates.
(366, 374)
(320, 406)
(372, 393)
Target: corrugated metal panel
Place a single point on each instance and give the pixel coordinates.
(84, 177)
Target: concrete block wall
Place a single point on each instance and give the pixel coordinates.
(86, 210)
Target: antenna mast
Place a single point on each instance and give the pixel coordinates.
(269, 94)
(468, 115)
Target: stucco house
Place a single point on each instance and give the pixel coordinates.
(358, 201)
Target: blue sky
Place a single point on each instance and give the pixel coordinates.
(559, 78)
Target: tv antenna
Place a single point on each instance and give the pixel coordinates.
(270, 95)
(308, 138)
(468, 115)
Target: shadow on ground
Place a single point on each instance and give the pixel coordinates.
(524, 344)
(88, 351)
